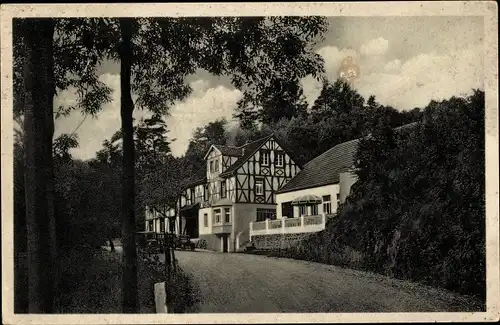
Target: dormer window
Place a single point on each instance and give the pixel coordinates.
(265, 158)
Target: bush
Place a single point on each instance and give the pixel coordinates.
(181, 294)
(91, 282)
(417, 211)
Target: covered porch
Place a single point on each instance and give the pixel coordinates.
(188, 220)
(309, 221)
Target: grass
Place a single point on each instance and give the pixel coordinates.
(182, 296)
(99, 288)
(90, 282)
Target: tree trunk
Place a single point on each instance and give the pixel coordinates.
(37, 127)
(50, 91)
(129, 303)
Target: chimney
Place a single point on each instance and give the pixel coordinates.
(244, 147)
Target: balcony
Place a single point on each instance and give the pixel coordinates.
(219, 229)
(289, 225)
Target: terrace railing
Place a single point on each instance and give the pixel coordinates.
(289, 225)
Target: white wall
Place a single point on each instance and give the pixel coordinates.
(243, 214)
(347, 179)
(201, 224)
(331, 190)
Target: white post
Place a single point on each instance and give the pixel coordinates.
(283, 225)
(323, 220)
(301, 221)
(251, 230)
(267, 225)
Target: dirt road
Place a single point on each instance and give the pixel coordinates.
(249, 283)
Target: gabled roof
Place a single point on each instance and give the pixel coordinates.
(229, 150)
(249, 150)
(325, 169)
(200, 177)
(225, 150)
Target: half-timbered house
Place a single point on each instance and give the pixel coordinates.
(305, 203)
(237, 186)
(158, 220)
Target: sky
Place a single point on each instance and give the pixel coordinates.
(404, 61)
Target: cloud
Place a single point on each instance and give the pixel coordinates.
(414, 82)
(333, 58)
(311, 88)
(94, 130)
(376, 46)
(205, 104)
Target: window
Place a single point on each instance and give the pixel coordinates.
(227, 215)
(205, 220)
(265, 158)
(259, 187)
(205, 193)
(217, 215)
(263, 214)
(211, 166)
(303, 210)
(314, 210)
(327, 204)
(287, 209)
(279, 159)
(216, 165)
(223, 189)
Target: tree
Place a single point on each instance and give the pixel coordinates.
(420, 197)
(39, 71)
(62, 146)
(282, 99)
(38, 130)
(125, 52)
(203, 137)
(151, 141)
(337, 99)
(251, 50)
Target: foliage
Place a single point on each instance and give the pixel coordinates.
(87, 204)
(77, 54)
(417, 211)
(61, 147)
(203, 137)
(91, 283)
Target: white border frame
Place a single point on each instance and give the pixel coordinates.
(486, 9)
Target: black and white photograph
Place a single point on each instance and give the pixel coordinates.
(250, 162)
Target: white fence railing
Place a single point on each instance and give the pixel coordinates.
(288, 225)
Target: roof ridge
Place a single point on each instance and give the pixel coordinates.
(335, 146)
(396, 128)
(260, 139)
(225, 145)
(247, 154)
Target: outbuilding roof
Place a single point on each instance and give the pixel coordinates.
(325, 169)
